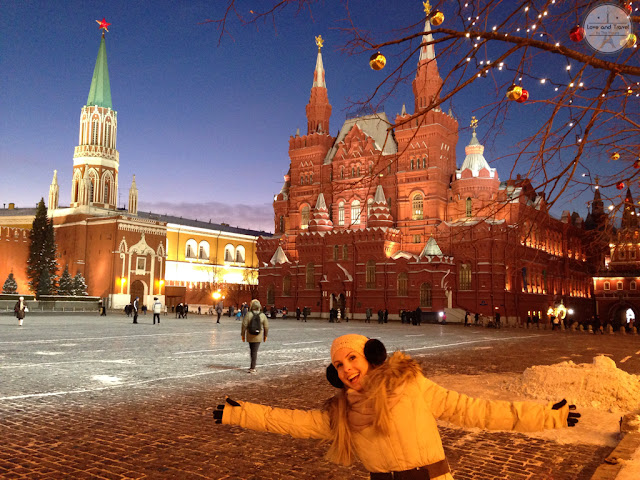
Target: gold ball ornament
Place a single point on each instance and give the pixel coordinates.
(631, 40)
(377, 61)
(437, 18)
(514, 92)
(615, 156)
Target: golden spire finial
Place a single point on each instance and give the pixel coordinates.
(427, 8)
(597, 179)
(474, 124)
(319, 42)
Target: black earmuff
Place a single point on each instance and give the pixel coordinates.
(375, 353)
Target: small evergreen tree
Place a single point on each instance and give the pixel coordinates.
(66, 286)
(42, 250)
(10, 285)
(79, 285)
(44, 283)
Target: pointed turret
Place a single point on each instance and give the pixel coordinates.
(320, 221)
(133, 197)
(475, 160)
(427, 84)
(629, 215)
(379, 215)
(431, 248)
(54, 192)
(318, 109)
(97, 140)
(100, 91)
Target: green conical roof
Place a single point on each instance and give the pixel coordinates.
(100, 91)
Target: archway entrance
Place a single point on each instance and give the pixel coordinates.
(623, 314)
(137, 290)
(339, 303)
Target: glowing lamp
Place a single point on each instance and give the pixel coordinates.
(576, 34)
(514, 92)
(377, 61)
(524, 96)
(437, 18)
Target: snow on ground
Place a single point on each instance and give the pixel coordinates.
(601, 392)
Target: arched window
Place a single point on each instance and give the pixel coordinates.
(336, 252)
(468, 207)
(286, 285)
(355, 212)
(94, 131)
(403, 284)
(358, 171)
(107, 134)
(345, 252)
(304, 217)
(353, 172)
(370, 168)
(228, 253)
(465, 276)
(310, 178)
(607, 286)
(417, 206)
(203, 250)
(412, 164)
(92, 191)
(301, 179)
(281, 225)
(424, 162)
(240, 254)
(341, 213)
(425, 295)
(190, 248)
(310, 276)
(105, 193)
(371, 274)
(341, 173)
(369, 207)
(271, 294)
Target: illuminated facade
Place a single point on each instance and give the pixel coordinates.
(124, 253)
(381, 219)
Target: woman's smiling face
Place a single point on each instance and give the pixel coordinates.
(351, 367)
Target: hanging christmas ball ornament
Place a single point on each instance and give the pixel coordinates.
(524, 96)
(576, 34)
(636, 164)
(437, 18)
(620, 185)
(615, 156)
(514, 92)
(631, 40)
(627, 7)
(377, 61)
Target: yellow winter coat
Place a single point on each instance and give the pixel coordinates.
(391, 424)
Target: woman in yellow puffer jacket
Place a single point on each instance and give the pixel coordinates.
(386, 411)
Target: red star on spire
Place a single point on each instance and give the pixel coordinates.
(103, 24)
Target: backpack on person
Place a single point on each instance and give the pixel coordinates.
(255, 325)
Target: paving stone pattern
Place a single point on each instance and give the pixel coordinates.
(159, 426)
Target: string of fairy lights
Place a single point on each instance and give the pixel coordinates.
(533, 25)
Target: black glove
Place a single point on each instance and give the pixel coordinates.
(217, 413)
(572, 418)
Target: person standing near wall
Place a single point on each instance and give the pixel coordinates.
(135, 310)
(20, 310)
(157, 309)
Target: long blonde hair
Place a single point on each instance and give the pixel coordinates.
(341, 449)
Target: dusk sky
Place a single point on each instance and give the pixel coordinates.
(203, 126)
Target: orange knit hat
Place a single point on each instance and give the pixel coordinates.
(352, 341)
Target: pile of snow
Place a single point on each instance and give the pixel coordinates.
(600, 385)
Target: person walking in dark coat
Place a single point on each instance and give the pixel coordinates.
(298, 313)
(368, 318)
(466, 319)
(386, 315)
(476, 319)
(20, 310)
(135, 309)
(418, 314)
(380, 316)
(305, 313)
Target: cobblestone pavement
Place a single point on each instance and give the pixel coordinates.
(94, 397)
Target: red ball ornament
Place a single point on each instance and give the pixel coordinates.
(636, 164)
(627, 7)
(524, 96)
(576, 34)
(620, 185)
